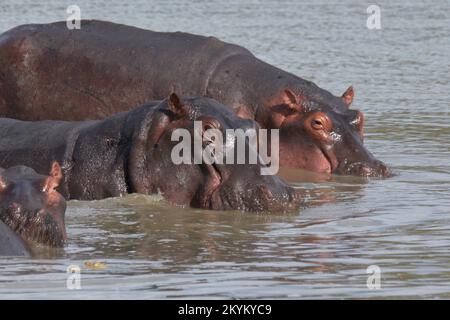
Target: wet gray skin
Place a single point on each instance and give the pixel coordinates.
(216, 186)
(31, 207)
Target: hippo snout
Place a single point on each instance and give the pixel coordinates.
(287, 199)
(278, 197)
(374, 168)
(273, 196)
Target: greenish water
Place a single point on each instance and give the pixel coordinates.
(151, 249)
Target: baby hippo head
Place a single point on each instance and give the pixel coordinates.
(31, 206)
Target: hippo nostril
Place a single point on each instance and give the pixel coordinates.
(377, 169)
(385, 171)
(365, 171)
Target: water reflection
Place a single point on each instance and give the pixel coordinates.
(147, 227)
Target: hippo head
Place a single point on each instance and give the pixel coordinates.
(201, 184)
(30, 205)
(324, 136)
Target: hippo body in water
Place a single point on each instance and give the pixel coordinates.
(130, 152)
(11, 244)
(30, 210)
(50, 72)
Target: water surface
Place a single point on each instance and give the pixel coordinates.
(152, 249)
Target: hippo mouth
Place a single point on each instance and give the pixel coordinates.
(223, 190)
(330, 159)
(212, 184)
(370, 169)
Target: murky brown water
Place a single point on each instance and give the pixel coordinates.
(401, 74)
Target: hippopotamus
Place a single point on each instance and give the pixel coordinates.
(31, 210)
(11, 244)
(50, 72)
(131, 152)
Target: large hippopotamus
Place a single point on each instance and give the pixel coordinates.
(30, 210)
(50, 72)
(131, 152)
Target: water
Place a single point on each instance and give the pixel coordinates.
(401, 73)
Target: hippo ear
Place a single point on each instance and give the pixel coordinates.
(289, 105)
(348, 95)
(286, 103)
(290, 98)
(54, 178)
(177, 106)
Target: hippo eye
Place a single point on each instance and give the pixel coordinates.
(211, 123)
(317, 124)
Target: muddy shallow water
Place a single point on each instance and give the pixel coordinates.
(151, 249)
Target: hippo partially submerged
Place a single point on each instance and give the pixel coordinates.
(11, 244)
(131, 153)
(50, 72)
(30, 210)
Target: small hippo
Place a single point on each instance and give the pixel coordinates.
(50, 72)
(30, 210)
(130, 152)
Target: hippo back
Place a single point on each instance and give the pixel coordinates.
(101, 69)
(36, 144)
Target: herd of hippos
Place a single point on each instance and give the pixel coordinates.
(88, 114)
